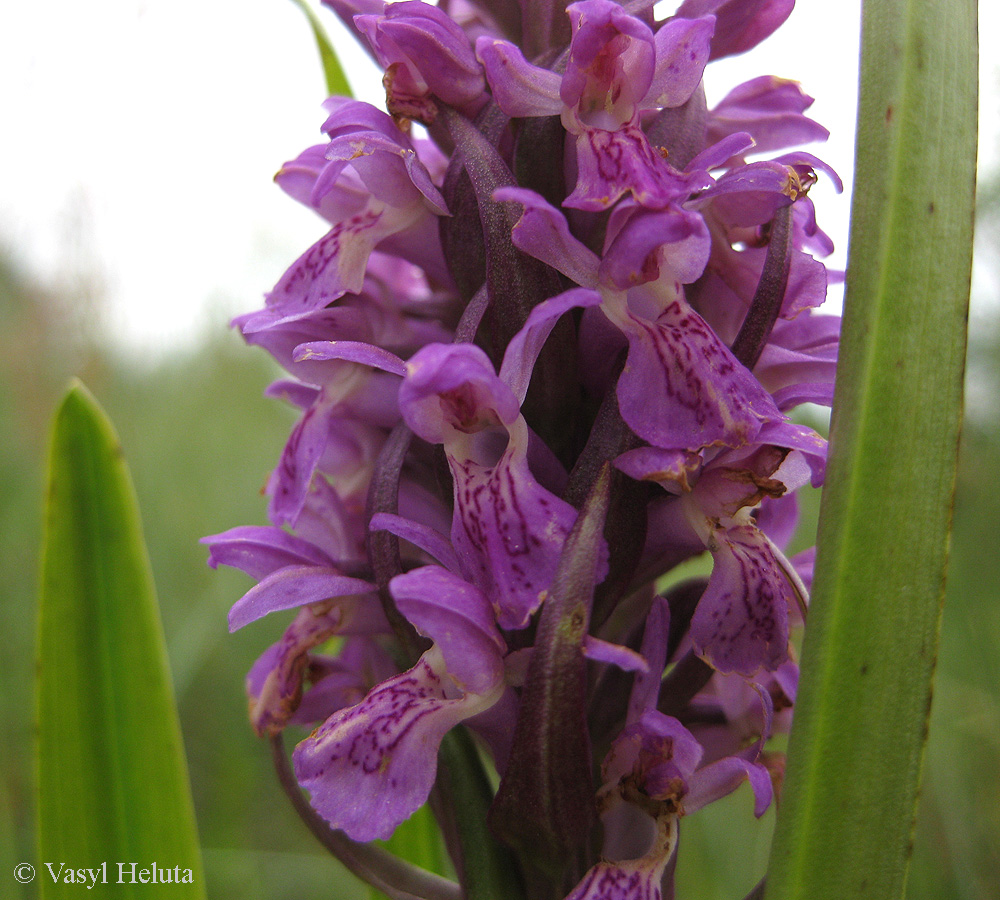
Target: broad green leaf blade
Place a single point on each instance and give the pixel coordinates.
(845, 824)
(333, 71)
(112, 778)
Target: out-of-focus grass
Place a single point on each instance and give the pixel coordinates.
(200, 440)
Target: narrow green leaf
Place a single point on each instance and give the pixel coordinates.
(845, 825)
(112, 778)
(333, 71)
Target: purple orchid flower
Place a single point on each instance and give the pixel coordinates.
(546, 352)
(424, 54)
(617, 68)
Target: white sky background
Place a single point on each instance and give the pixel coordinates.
(141, 137)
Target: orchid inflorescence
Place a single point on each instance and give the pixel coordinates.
(544, 355)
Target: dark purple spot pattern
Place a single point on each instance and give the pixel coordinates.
(614, 163)
(509, 532)
(741, 624)
(682, 388)
(630, 880)
(371, 766)
(334, 265)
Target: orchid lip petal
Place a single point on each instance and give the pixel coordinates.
(371, 766)
(741, 624)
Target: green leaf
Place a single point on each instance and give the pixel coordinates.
(112, 778)
(844, 828)
(333, 71)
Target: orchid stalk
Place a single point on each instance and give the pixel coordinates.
(548, 351)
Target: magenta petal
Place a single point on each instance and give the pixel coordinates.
(682, 388)
(523, 349)
(625, 659)
(519, 88)
(672, 244)
(646, 687)
(427, 539)
(716, 154)
(352, 351)
(741, 623)
(389, 168)
(291, 587)
(294, 392)
(543, 232)
(509, 532)
(453, 389)
(798, 437)
(611, 164)
(787, 398)
(459, 619)
(671, 468)
(770, 109)
(427, 52)
(740, 24)
(289, 482)
(627, 880)
(333, 266)
(371, 766)
(723, 777)
(751, 194)
(800, 160)
(275, 682)
(682, 48)
(610, 66)
(260, 550)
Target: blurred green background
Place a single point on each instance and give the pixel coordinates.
(200, 440)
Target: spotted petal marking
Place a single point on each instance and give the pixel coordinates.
(627, 880)
(741, 624)
(682, 388)
(509, 532)
(371, 766)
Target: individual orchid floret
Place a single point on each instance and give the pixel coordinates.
(799, 363)
(276, 682)
(371, 766)
(425, 55)
(654, 769)
(617, 68)
(741, 622)
(508, 530)
(681, 387)
(371, 183)
(291, 572)
(334, 682)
